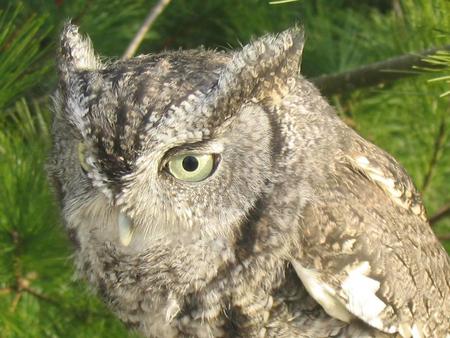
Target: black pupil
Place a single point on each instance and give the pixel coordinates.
(190, 163)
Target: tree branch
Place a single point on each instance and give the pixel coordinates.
(374, 74)
(445, 237)
(149, 20)
(443, 212)
(42, 297)
(438, 144)
(4, 291)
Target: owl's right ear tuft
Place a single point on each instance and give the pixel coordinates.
(75, 52)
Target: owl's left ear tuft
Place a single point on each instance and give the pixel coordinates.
(262, 60)
(275, 51)
(291, 43)
(261, 69)
(75, 52)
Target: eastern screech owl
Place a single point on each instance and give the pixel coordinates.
(217, 194)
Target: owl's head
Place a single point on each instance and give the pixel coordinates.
(173, 145)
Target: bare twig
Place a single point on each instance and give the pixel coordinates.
(445, 237)
(279, 2)
(374, 74)
(4, 291)
(42, 297)
(149, 20)
(15, 301)
(438, 144)
(443, 212)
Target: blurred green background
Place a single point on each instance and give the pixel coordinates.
(39, 296)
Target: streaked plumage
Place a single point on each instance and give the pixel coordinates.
(297, 227)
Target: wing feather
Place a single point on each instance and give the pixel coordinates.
(368, 251)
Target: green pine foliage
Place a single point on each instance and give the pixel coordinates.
(441, 60)
(20, 52)
(410, 118)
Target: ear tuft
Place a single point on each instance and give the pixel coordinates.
(75, 52)
(279, 53)
(260, 69)
(286, 46)
(273, 50)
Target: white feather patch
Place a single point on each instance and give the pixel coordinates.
(405, 330)
(417, 331)
(360, 292)
(322, 293)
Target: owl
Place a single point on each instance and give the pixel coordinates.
(217, 194)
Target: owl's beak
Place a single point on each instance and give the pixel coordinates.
(125, 228)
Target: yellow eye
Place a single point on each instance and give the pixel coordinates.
(191, 167)
(82, 157)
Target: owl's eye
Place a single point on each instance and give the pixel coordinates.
(191, 167)
(82, 157)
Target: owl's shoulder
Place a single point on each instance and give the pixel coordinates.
(366, 229)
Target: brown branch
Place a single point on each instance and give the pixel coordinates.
(438, 144)
(443, 212)
(43, 297)
(149, 20)
(445, 237)
(79, 313)
(374, 74)
(4, 291)
(15, 301)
